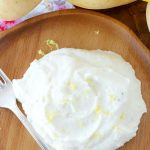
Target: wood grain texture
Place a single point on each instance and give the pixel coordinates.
(134, 16)
(70, 28)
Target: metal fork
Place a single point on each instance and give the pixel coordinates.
(8, 100)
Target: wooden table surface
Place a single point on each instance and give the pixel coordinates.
(134, 16)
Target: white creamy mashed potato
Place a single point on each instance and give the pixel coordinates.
(82, 100)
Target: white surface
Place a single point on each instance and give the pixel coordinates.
(82, 100)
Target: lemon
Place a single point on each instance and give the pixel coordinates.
(99, 4)
(14, 9)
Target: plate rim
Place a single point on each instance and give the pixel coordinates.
(143, 49)
(80, 11)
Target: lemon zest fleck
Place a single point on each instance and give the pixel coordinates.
(97, 32)
(122, 117)
(55, 135)
(72, 86)
(65, 102)
(41, 52)
(112, 98)
(116, 127)
(98, 110)
(63, 130)
(86, 91)
(97, 136)
(81, 124)
(107, 113)
(52, 43)
(89, 81)
(50, 116)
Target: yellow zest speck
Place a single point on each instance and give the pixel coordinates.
(62, 147)
(96, 32)
(98, 110)
(52, 43)
(63, 130)
(96, 136)
(65, 102)
(81, 124)
(117, 128)
(72, 86)
(107, 113)
(112, 98)
(86, 91)
(40, 52)
(50, 116)
(89, 81)
(122, 117)
(55, 136)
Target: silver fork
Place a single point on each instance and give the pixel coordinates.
(8, 100)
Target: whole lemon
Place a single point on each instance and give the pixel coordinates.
(14, 9)
(99, 4)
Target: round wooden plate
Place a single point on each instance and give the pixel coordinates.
(77, 29)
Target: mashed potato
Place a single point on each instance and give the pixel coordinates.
(82, 100)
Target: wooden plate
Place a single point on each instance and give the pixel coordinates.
(77, 29)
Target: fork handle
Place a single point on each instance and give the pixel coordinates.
(29, 127)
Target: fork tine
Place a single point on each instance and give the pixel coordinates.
(4, 77)
(1, 83)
